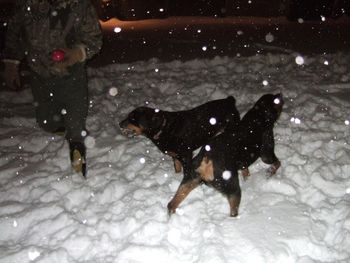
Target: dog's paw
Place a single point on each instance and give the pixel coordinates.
(171, 209)
(245, 174)
(271, 171)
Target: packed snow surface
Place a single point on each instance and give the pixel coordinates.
(50, 214)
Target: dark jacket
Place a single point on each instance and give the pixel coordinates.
(39, 27)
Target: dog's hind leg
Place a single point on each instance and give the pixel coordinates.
(267, 153)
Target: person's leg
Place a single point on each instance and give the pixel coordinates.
(74, 98)
(47, 108)
(73, 95)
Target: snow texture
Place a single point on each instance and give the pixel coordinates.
(302, 214)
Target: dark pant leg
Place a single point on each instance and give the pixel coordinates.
(73, 95)
(47, 109)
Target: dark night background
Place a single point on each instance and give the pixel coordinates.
(168, 29)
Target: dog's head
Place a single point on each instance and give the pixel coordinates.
(269, 106)
(141, 121)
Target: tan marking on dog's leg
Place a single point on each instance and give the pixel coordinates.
(245, 174)
(234, 202)
(206, 169)
(177, 165)
(181, 193)
(273, 169)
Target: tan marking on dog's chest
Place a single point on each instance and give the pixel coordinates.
(206, 170)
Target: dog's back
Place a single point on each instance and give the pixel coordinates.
(198, 125)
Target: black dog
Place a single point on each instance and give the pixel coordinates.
(217, 163)
(179, 133)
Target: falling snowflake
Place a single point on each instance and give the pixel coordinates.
(299, 60)
(33, 254)
(348, 190)
(277, 101)
(207, 148)
(83, 133)
(89, 142)
(204, 48)
(117, 30)
(265, 83)
(226, 175)
(156, 70)
(300, 20)
(212, 121)
(142, 160)
(15, 224)
(180, 211)
(295, 120)
(347, 122)
(269, 38)
(63, 111)
(326, 62)
(113, 91)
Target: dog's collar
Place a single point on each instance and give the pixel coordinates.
(156, 136)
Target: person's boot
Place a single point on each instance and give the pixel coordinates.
(78, 157)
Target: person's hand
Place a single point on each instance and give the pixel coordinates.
(71, 57)
(11, 76)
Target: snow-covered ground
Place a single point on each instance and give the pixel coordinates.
(49, 214)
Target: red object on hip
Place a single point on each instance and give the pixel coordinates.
(57, 55)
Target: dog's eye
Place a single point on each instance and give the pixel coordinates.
(133, 121)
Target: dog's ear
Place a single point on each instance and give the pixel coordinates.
(149, 118)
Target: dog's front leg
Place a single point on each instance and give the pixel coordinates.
(181, 193)
(234, 201)
(273, 168)
(177, 165)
